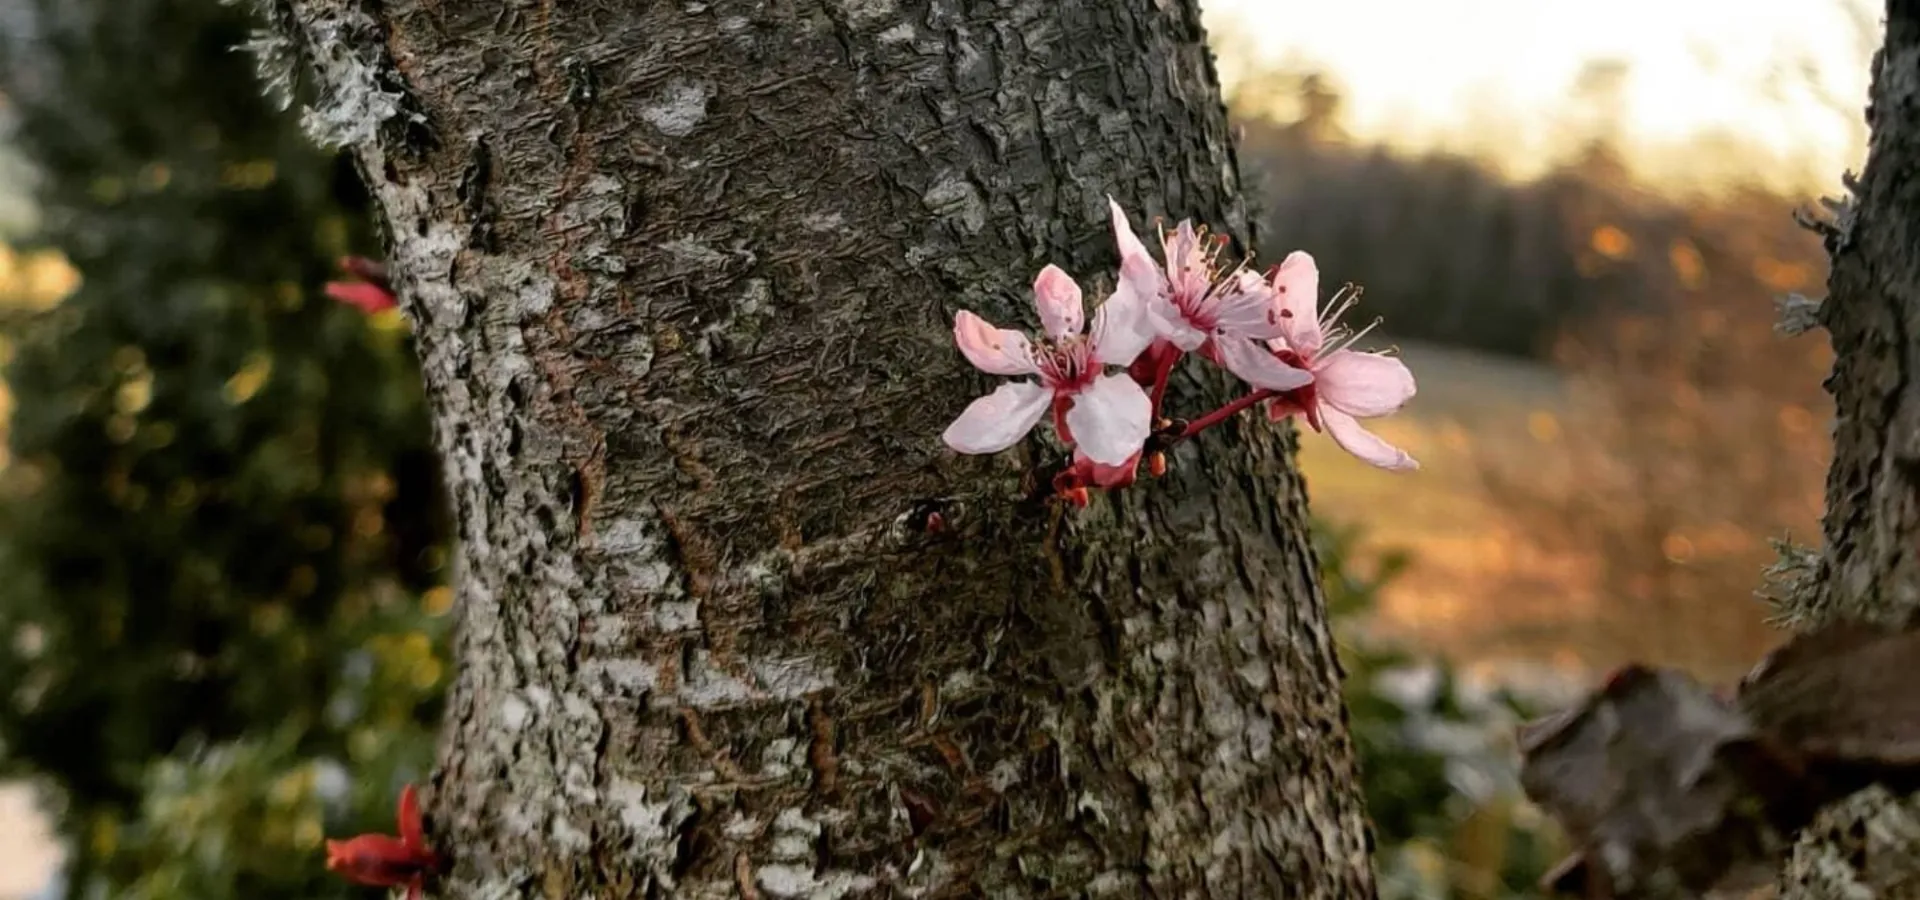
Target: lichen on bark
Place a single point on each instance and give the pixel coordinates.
(682, 278)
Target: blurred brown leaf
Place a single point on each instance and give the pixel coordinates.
(1672, 790)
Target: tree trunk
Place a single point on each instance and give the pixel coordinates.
(1870, 568)
(682, 277)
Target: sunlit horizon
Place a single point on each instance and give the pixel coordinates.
(1763, 91)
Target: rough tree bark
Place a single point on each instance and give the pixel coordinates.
(1869, 569)
(682, 277)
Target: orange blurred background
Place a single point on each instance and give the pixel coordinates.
(1575, 220)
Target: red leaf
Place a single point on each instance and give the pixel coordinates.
(367, 298)
(379, 860)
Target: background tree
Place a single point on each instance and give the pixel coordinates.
(1869, 567)
(219, 513)
(682, 279)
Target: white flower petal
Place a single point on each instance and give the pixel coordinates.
(1110, 419)
(1166, 321)
(1137, 268)
(995, 351)
(1256, 365)
(1367, 446)
(1058, 298)
(1000, 419)
(1183, 251)
(1296, 294)
(1363, 384)
(1120, 328)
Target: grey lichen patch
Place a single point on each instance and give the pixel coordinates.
(823, 222)
(673, 617)
(708, 684)
(276, 57)
(957, 198)
(745, 320)
(350, 66)
(1797, 314)
(1843, 213)
(930, 874)
(653, 821)
(800, 880)
(790, 870)
(635, 547)
(600, 204)
(276, 62)
(782, 757)
(694, 253)
(862, 13)
(636, 355)
(679, 108)
(1792, 585)
(1861, 847)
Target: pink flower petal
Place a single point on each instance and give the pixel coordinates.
(1367, 446)
(1183, 251)
(1000, 419)
(1296, 291)
(1246, 310)
(1168, 322)
(1363, 384)
(996, 351)
(1137, 268)
(1110, 419)
(1120, 328)
(1058, 299)
(1256, 365)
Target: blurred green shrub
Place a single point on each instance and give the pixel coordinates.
(220, 530)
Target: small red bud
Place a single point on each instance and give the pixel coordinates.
(1157, 465)
(936, 523)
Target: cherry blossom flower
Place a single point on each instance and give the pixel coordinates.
(1195, 307)
(1106, 417)
(1348, 385)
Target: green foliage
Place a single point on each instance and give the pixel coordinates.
(220, 524)
(1435, 763)
(245, 819)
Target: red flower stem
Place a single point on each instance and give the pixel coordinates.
(1222, 414)
(1161, 377)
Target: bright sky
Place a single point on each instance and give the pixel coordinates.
(1786, 79)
